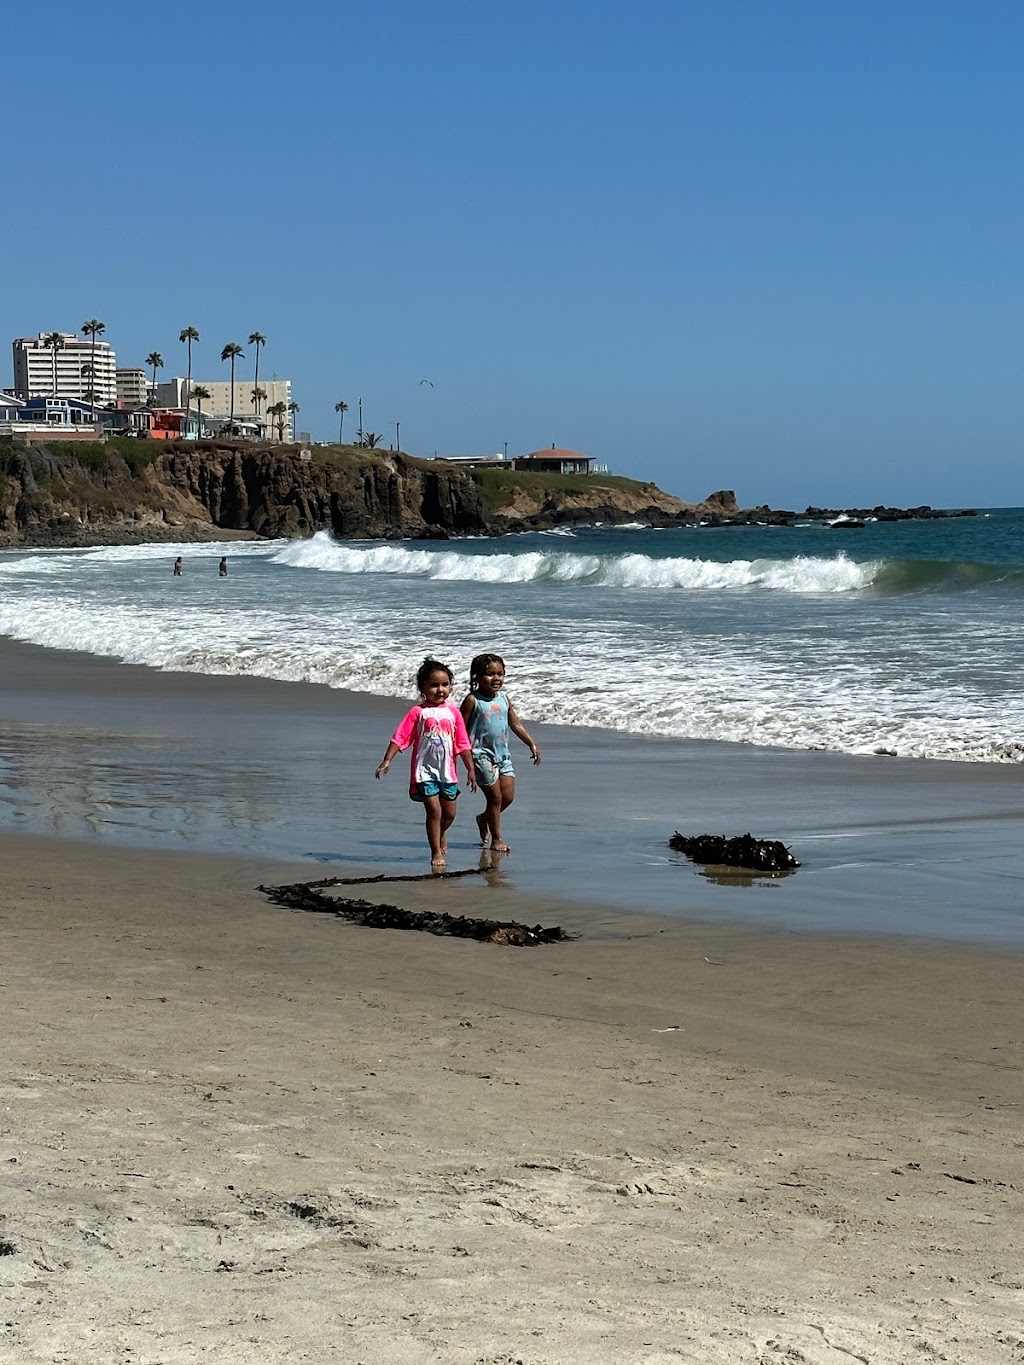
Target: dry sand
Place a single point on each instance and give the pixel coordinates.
(237, 1134)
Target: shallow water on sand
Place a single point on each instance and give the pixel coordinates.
(243, 765)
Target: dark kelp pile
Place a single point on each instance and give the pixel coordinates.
(756, 855)
(507, 933)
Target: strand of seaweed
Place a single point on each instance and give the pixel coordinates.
(309, 896)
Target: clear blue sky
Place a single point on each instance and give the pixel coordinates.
(769, 245)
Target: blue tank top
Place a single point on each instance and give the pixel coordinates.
(488, 725)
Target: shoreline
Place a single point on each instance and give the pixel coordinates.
(784, 1140)
(707, 515)
(94, 749)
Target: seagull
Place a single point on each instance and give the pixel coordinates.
(426, 381)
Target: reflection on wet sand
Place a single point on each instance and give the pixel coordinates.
(81, 784)
(723, 875)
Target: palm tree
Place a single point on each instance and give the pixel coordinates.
(341, 408)
(157, 361)
(188, 335)
(198, 393)
(55, 342)
(257, 339)
(88, 394)
(231, 352)
(278, 411)
(258, 395)
(292, 410)
(371, 439)
(93, 328)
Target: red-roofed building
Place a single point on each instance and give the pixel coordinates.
(554, 461)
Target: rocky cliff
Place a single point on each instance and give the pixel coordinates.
(127, 491)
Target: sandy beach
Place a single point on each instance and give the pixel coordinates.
(236, 1133)
(231, 1132)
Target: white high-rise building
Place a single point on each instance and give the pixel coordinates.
(217, 408)
(34, 368)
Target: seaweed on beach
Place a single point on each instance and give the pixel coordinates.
(507, 933)
(755, 855)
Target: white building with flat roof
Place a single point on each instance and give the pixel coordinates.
(217, 408)
(41, 371)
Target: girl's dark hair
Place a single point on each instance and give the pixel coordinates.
(429, 666)
(480, 663)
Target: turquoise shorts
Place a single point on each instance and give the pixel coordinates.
(419, 791)
(489, 769)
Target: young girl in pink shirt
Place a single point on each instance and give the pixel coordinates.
(436, 733)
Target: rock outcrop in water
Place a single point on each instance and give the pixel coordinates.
(127, 491)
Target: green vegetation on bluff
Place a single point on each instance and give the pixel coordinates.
(500, 486)
(100, 455)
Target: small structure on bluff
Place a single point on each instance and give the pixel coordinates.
(553, 461)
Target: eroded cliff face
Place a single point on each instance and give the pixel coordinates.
(99, 495)
(272, 494)
(59, 495)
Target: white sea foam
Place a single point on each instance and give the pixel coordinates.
(705, 690)
(792, 668)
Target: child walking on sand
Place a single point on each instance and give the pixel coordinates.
(437, 734)
(489, 715)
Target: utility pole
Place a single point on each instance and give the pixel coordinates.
(360, 421)
(398, 436)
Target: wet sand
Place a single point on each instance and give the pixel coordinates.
(234, 1132)
(90, 749)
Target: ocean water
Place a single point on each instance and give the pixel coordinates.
(902, 638)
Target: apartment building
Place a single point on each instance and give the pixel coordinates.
(65, 371)
(132, 387)
(217, 408)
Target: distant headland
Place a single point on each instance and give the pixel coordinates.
(126, 491)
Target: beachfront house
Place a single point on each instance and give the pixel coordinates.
(58, 412)
(40, 419)
(553, 461)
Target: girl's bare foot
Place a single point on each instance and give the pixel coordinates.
(499, 847)
(438, 864)
(481, 824)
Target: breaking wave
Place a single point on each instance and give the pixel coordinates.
(803, 574)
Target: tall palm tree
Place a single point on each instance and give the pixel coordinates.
(292, 410)
(198, 393)
(341, 408)
(257, 339)
(278, 411)
(89, 394)
(231, 352)
(93, 328)
(55, 342)
(157, 361)
(188, 335)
